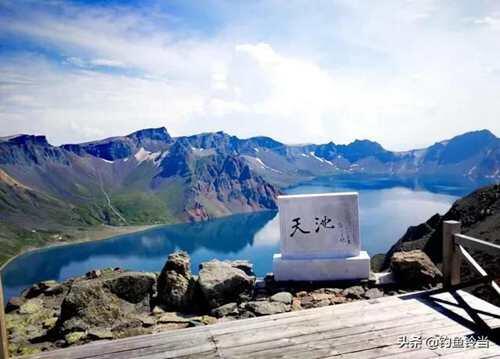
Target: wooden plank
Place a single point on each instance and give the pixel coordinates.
(351, 348)
(338, 337)
(326, 316)
(164, 352)
(477, 244)
(451, 261)
(4, 344)
(343, 334)
(128, 344)
(276, 333)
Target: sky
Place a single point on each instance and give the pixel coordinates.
(403, 73)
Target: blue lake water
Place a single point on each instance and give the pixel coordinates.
(387, 208)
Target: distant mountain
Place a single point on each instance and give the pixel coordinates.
(473, 155)
(150, 177)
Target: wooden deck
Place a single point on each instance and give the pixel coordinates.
(364, 329)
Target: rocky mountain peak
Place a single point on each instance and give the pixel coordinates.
(156, 134)
(29, 140)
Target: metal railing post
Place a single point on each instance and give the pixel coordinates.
(4, 346)
(451, 257)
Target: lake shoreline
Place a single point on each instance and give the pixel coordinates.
(92, 234)
(103, 232)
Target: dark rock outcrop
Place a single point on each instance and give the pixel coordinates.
(221, 283)
(134, 287)
(88, 305)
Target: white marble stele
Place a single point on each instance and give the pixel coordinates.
(319, 238)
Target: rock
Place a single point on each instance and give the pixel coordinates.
(158, 310)
(296, 304)
(244, 265)
(225, 310)
(269, 279)
(93, 274)
(260, 285)
(75, 337)
(13, 304)
(306, 302)
(414, 269)
(221, 283)
(318, 297)
(355, 292)
(322, 303)
(148, 321)
(134, 287)
(173, 317)
(88, 305)
(335, 291)
(176, 285)
(338, 300)
(31, 306)
(49, 323)
(267, 308)
(55, 289)
(100, 334)
(302, 294)
(50, 286)
(178, 262)
(207, 320)
(373, 293)
(282, 297)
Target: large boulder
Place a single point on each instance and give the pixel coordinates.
(244, 265)
(134, 287)
(176, 285)
(89, 305)
(222, 283)
(267, 308)
(414, 269)
(178, 262)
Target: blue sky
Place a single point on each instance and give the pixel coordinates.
(404, 73)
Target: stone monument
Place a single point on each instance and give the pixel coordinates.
(319, 238)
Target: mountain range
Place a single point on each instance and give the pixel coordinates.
(150, 177)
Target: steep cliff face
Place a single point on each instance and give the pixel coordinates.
(217, 183)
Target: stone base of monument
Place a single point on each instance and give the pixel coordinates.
(321, 269)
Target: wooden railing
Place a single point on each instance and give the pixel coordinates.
(454, 251)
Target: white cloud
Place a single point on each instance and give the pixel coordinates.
(403, 73)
